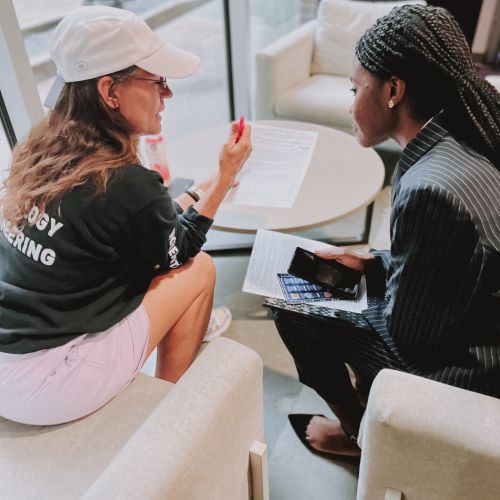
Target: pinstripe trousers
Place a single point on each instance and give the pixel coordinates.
(321, 348)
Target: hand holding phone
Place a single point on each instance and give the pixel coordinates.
(355, 259)
(328, 273)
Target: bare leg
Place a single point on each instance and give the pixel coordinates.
(361, 385)
(349, 416)
(179, 304)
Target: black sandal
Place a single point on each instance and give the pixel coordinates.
(299, 423)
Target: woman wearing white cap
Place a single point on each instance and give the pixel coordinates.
(98, 266)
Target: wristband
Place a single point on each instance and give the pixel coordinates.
(196, 194)
(199, 192)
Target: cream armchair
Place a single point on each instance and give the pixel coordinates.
(304, 75)
(423, 440)
(287, 90)
(198, 439)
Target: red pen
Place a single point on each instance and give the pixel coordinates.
(241, 126)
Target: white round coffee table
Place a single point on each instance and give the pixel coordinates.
(342, 177)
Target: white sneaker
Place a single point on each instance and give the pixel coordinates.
(220, 320)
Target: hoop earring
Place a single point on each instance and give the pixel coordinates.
(391, 104)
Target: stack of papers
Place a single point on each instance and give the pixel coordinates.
(273, 174)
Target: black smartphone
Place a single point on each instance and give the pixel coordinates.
(178, 185)
(327, 273)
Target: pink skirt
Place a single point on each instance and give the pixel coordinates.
(57, 385)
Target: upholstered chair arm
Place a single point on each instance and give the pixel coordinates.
(282, 65)
(197, 442)
(426, 440)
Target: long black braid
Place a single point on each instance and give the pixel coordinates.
(425, 47)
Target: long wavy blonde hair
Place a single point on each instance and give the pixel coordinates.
(81, 140)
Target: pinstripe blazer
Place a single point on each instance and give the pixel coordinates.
(439, 316)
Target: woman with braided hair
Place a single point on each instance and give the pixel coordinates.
(435, 310)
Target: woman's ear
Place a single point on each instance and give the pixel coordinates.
(397, 90)
(105, 89)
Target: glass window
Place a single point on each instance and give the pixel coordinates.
(270, 20)
(5, 154)
(200, 100)
(273, 19)
(7, 140)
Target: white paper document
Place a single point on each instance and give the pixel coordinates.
(273, 174)
(272, 253)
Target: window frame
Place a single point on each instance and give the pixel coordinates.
(7, 127)
(20, 106)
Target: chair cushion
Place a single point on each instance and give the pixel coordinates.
(62, 461)
(323, 99)
(340, 25)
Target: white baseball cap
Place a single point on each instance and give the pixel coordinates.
(95, 41)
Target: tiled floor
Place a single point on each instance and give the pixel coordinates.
(294, 472)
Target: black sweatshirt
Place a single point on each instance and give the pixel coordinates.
(87, 263)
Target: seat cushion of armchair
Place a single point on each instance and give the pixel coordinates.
(155, 440)
(63, 461)
(323, 99)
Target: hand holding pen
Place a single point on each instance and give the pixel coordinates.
(241, 126)
(233, 155)
(236, 150)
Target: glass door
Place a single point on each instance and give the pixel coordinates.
(7, 141)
